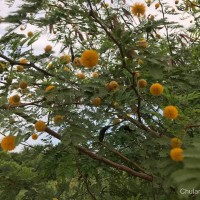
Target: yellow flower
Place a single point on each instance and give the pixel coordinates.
(40, 126)
(176, 154)
(8, 143)
(95, 75)
(89, 58)
(96, 101)
(65, 59)
(157, 5)
(49, 88)
(77, 62)
(152, 17)
(142, 43)
(23, 61)
(50, 65)
(30, 34)
(116, 105)
(107, 5)
(23, 84)
(112, 85)
(58, 119)
(140, 62)
(20, 68)
(170, 112)
(156, 89)
(48, 49)
(177, 1)
(12, 103)
(138, 9)
(34, 136)
(66, 69)
(175, 142)
(81, 75)
(128, 115)
(136, 74)
(142, 83)
(16, 98)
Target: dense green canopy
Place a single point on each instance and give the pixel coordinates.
(123, 84)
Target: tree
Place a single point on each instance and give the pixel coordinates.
(116, 95)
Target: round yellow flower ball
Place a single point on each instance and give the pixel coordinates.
(34, 136)
(157, 5)
(170, 112)
(20, 68)
(89, 58)
(176, 154)
(112, 85)
(65, 59)
(176, 142)
(138, 9)
(95, 75)
(96, 101)
(77, 62)
(58, 119)
(23, 84)
(81, 75)
(142, 83)
(40, 126)
(30, 34)
(48, 49)
(8, 143)
(156, 89)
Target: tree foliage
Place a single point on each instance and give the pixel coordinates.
(114, 138)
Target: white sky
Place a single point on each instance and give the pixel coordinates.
(44, 39)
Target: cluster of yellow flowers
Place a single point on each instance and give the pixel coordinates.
(176, 152)
(169, 112)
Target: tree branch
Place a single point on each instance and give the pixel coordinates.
(13, 62)
(113, 164)
(142, 126)
(91, 154)
(123, 157)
